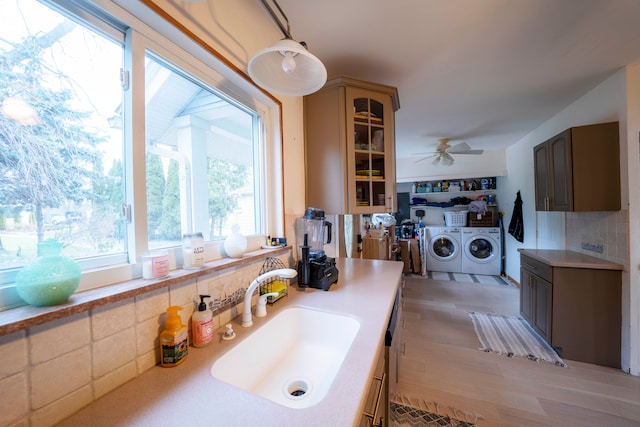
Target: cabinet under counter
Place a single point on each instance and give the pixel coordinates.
(574, 302)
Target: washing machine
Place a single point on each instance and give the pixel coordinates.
(443, 249)
(481, 250)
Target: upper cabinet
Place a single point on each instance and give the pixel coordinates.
(350, 147)
(578, 170)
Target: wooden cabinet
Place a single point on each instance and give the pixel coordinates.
(375, 413)
(576, 310)
(578, 170)
(350, 147)
(535, 296)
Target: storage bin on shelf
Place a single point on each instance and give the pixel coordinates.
(481, 220)
(274, 284)
(455, 218)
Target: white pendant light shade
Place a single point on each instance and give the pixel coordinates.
(287, 68)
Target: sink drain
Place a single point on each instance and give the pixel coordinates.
(297, 389)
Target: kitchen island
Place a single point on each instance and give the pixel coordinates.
(188, 395)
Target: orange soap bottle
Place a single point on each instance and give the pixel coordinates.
(174, 340)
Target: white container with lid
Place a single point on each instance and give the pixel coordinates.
(155, 264)
(192, 251)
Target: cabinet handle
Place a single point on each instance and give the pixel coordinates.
(404, 347)
(530, 267)
(402, 324)
(373, 416)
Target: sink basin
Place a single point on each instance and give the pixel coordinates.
(292, 359)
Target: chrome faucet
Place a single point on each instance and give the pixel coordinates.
(285, 273)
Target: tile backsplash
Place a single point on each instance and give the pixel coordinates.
(52, 370)
(600, 234)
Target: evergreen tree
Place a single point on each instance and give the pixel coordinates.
(155, 194)
(170, 222)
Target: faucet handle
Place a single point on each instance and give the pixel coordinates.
(261, 305)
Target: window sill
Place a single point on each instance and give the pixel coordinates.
(28, 316)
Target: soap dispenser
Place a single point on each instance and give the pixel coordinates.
(202, 324)
(174, 340)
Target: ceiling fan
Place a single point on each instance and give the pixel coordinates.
(444, 151)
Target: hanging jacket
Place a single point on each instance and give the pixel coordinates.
(516, 226)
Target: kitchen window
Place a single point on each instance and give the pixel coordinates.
(115, 140)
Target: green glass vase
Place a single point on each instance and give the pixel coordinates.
(50, 279)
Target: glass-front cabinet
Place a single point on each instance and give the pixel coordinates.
(350, 147)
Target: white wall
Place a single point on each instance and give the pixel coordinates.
(489, 163)
(549, 230)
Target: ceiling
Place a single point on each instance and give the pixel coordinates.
(485, 72)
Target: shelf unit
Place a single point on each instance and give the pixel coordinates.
(350, 147)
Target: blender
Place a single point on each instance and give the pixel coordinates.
(315, 268)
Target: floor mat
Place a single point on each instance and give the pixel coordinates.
(407, 411)
(463, 277)
(512, 337)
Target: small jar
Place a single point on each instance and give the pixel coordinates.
(155, 264)
(192, 251)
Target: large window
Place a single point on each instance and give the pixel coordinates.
(71, 132)
(200, 157)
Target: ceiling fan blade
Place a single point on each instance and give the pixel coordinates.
(467, 152)
(463, 148)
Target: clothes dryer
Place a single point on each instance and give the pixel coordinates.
(481, 250)
(443, 249)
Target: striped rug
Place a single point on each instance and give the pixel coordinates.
(512, 337)
(471, 278)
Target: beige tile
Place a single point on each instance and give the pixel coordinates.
(152, 304)
(112, 318)
(116, 378)
(63, 375)
(147, 333)
(61, 409)
(113, 352)
(13, 348)
(14, 399)
(184, 295)
(55, 338)
(148, 360)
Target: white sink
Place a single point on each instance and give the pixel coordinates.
(292, 359)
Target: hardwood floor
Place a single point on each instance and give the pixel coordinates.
(442, 363)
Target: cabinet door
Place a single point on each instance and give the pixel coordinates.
(541, 174)
(560, 169)
(526, 295)
(542, 307)
(370, 152)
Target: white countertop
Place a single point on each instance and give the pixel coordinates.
(188, 395)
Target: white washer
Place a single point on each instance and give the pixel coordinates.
(444, 249)
(482, 252)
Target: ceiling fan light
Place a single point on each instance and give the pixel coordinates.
(270, 68)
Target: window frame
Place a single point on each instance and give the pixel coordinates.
(146, 28)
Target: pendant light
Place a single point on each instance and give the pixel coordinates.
(286, 67)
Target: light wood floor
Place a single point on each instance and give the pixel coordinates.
(442, 363)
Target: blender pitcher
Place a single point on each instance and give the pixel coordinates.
(312, 225)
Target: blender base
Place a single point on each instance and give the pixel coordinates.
(322, 273)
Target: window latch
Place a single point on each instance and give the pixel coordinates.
(124, 79)
(126, 212)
